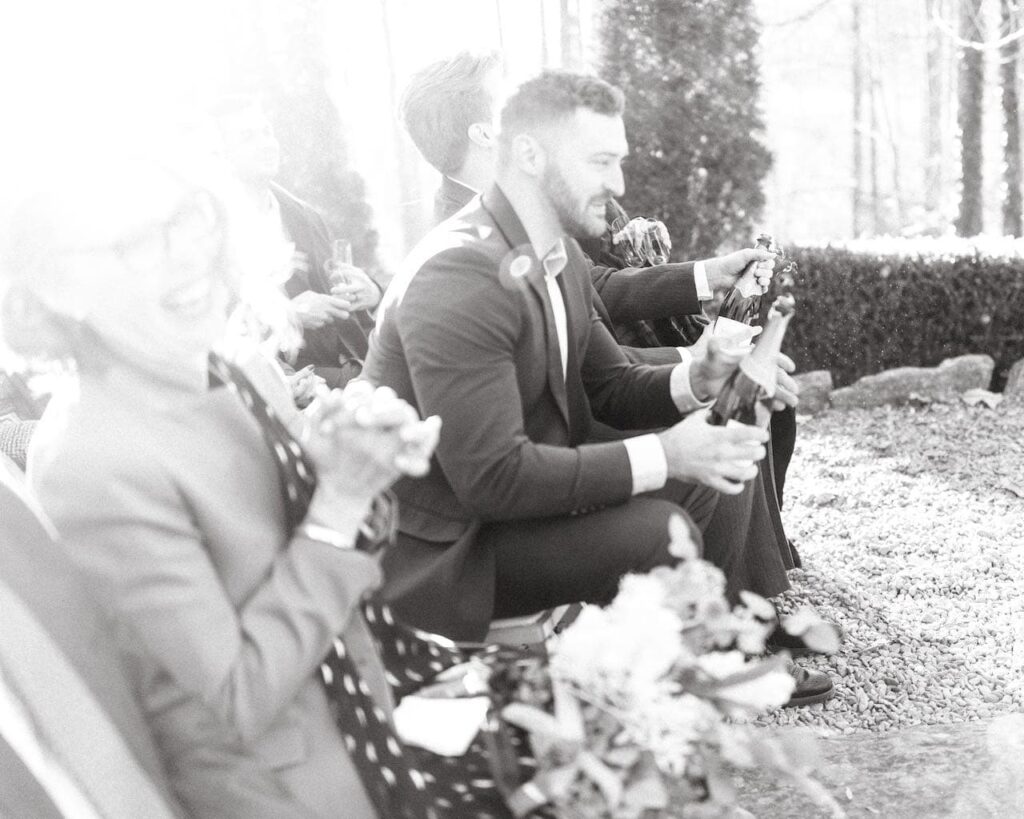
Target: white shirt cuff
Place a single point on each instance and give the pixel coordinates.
(700, 280)
(647, 462)
(681, 389)
(684, 354)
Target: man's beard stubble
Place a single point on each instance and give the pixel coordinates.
(573, 217)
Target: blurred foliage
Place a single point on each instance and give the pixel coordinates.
(691, 79)
(863, 311)
(291, 73)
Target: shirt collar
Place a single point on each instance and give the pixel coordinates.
(554, 260)
(462, 184)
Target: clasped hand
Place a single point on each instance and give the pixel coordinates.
(361, 439)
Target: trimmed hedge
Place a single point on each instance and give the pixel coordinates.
(871, 306)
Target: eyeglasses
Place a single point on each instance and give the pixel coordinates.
(196, 225)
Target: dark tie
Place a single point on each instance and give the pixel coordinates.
(398, 791)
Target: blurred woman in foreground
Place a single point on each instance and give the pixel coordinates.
(168, 488)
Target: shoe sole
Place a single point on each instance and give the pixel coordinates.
(811, 699)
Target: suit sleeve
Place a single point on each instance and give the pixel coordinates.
(646, 293)
(626, 394)
(126, 525)
(459, 328)
(651, 355)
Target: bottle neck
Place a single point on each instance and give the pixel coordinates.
(762, 363)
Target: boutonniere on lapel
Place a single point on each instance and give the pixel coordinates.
(516, 268)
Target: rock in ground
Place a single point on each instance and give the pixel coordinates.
(951, 378)
(815, 388)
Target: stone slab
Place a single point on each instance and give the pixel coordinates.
(815, 389)
(964, 771)
(950, 379)
(1015, 380)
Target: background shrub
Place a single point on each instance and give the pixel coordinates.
(691, 79)
(870, 306)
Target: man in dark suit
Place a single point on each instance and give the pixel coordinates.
(450, 108)
(491, 326)
(55, 637)
(334, 317)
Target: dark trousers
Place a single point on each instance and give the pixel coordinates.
(783, 444)
(547, 562)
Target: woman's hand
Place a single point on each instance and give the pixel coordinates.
(361, 439)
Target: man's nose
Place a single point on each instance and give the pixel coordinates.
(616, 182)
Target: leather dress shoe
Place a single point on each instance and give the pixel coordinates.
(811, 686)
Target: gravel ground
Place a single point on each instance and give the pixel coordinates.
(910, 523)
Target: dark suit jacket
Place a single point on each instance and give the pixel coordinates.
(465, 332)
(620, 295)
(36, 569)
(337, 349)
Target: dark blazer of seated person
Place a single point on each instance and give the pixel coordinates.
(38, 578)
(631, 291)
(337, 349)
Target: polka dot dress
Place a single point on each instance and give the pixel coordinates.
(396, 788)
(404, 782)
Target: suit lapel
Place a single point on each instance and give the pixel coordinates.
(495, 203)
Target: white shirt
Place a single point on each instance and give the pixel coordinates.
(647, 460)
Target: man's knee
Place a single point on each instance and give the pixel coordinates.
(698, 501)
(652, 539)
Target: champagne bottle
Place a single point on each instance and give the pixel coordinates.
(747, 395)
(743, 302)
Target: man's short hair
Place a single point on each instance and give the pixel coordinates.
(553, 96)
(442, 100)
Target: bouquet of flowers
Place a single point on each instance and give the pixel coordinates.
(633, 712)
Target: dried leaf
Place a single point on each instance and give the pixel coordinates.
(1014, 488)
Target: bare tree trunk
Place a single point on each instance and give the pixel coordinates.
(970, 116)
(413, 226)
(1012, 172)
(875, 133)
(933, 121)
(858, 130)
(572, 46)
(545, 52)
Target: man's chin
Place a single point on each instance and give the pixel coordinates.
(591, 227)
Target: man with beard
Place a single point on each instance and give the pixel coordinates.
(491, 325)
(450, 110)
